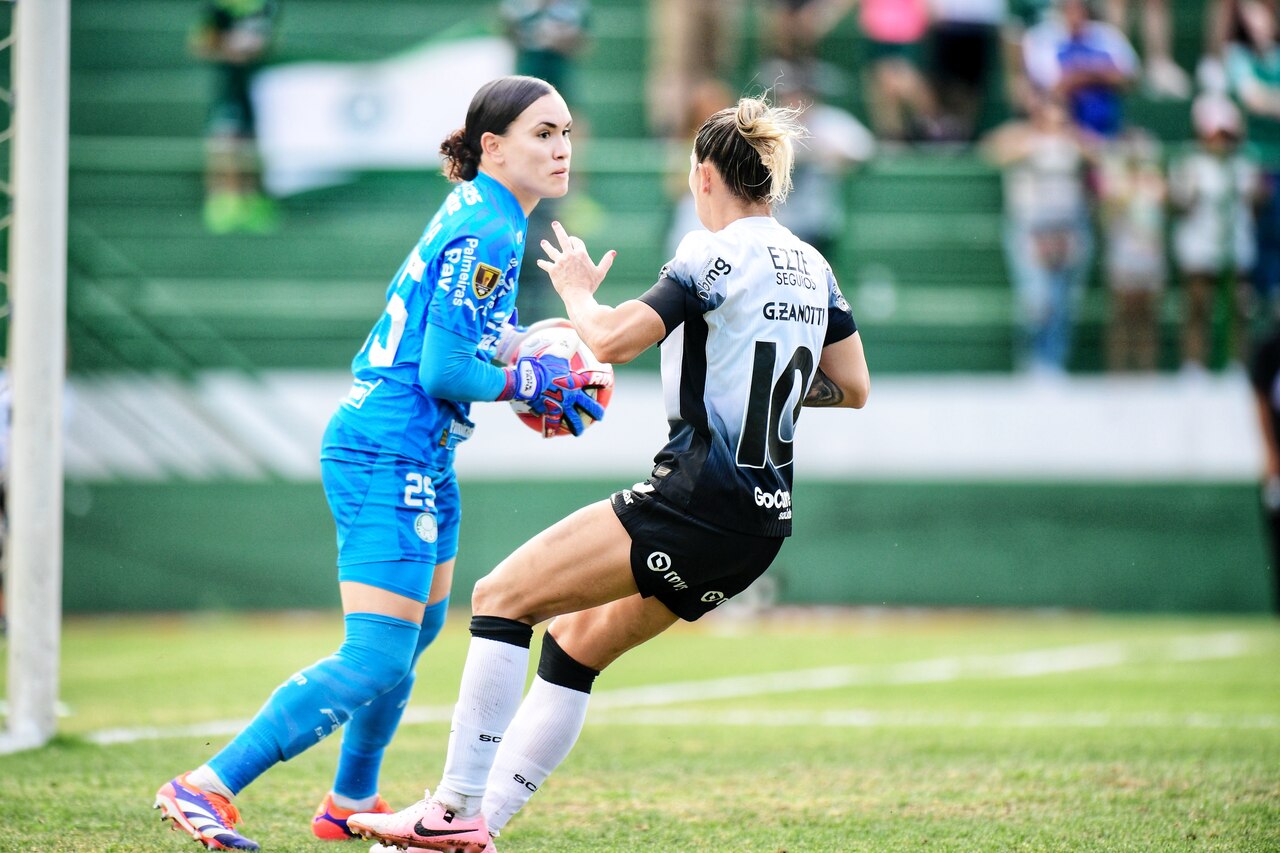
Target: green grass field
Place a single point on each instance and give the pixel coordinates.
(803, 731)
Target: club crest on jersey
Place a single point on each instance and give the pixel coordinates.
(485, 279)
(841, 302)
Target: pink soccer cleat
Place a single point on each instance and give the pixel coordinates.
(426, 825)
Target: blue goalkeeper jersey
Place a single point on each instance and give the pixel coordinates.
(461, 277)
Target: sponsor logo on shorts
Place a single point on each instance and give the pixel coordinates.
(713, 595)
(659, 561)
(425, 526)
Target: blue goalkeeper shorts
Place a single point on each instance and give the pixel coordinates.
(396, 519)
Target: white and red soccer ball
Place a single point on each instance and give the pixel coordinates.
(563, 341)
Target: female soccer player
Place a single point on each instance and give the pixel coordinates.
(387, 462)
(753, 326)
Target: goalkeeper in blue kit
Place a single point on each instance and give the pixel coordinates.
(387, 462)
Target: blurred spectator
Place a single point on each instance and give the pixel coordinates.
(965, 53)
(548, 35)
(1087, 63)
(1223, 25)
(795, 27)
(901, 103)
(815, 210)
(706, 98)
(1214, 188)
(1163, 77)
(1048, 240)
(1252, 66)
(1264, 377)
(234, 36)
(689, 41)
(1023, 15)
(1132, 190)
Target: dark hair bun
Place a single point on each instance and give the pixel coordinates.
(493, 107)
(461, 163)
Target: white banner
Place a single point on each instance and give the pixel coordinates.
(228, 426)
(319, 122)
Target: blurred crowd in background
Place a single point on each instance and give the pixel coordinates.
(1088, 194)
(1085, 189)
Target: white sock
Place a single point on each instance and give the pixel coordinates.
(205, 779)
(544, 730)
(492, 681)
(361, 805)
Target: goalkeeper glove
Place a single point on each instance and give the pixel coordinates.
(555, 391)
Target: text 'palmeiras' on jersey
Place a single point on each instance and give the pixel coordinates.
(748, 310)
(460, 277)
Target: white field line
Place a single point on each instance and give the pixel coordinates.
(863, 718)
(606, 703)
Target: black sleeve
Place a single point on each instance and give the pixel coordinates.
(840, 325)
(672, 301)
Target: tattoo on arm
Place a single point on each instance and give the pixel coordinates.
(823, 392)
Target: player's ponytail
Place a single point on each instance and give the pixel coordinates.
(751, 145)
(493, 108)
(461, 163)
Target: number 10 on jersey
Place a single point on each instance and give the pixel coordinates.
(765, 437)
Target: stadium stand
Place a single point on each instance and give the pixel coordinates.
(152, 289)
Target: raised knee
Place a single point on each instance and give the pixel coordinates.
(493, 597)
(484, 595)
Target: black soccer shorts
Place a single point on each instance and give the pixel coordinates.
(689, 565)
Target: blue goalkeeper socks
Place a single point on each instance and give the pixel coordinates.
(367, 736)
(375, 656)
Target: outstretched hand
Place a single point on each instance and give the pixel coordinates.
(570, 266)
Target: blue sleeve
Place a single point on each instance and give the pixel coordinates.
(450, 370)
(473, 273)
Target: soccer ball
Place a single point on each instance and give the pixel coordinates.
(563, 341)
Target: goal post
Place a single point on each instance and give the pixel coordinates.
(37, 351)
